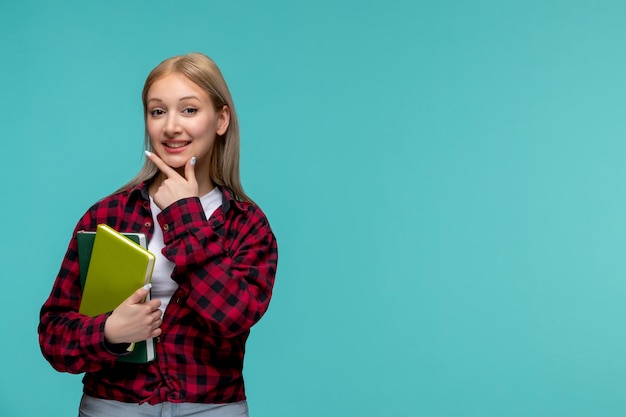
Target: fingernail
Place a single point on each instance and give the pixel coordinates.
(193, 160)
(147, 286)
(148, 153)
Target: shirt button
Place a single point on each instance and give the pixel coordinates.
(147, 224)
(146, 204)
(166, 227)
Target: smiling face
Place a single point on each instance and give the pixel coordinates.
(182, 122)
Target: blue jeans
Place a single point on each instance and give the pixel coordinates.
(95, 407)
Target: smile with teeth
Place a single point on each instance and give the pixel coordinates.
(176, 144)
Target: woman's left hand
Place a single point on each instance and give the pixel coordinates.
(175, 187)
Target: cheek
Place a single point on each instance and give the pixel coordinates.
(151, 129)
(201, 129)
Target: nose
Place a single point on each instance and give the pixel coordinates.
(171, 126)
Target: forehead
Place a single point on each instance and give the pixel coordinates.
(174, 86)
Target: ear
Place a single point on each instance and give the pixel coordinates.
(223, 120)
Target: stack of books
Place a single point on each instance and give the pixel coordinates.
(113, 266)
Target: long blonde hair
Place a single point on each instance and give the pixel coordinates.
(201, 70)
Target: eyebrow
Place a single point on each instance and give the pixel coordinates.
(181, 99)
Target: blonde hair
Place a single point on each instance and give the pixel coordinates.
(201, 70)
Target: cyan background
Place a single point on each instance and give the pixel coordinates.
(446, 181)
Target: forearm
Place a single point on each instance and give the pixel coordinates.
(75, 343)
(70, 341)
(228, 300)
(227, 271)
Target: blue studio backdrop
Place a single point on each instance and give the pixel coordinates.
(445, 179)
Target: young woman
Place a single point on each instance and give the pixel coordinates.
(215, 269)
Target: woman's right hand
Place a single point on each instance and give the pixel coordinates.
(134, 320)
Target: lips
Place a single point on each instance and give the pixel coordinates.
(175, 145)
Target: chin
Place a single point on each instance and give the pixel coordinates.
(176, 162)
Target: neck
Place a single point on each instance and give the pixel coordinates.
(205, 187)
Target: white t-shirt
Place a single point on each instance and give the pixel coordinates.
(163, 286)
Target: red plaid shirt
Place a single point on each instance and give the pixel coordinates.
(225, 268)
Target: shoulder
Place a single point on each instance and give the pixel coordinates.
(115, 200)
(113, 205)
(245, 216)
(239, 207)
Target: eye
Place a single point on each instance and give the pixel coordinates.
(190, 110)
(156, 112)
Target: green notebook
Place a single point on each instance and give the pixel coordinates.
(112, 266)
